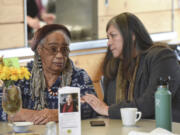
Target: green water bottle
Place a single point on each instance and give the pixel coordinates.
(163, 110)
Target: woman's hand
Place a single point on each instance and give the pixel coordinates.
(98, 105)
(37, 117)
(48, 18)
(44, 116)
(23, 115)
(33, 22)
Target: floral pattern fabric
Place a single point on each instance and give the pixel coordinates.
(79, 79)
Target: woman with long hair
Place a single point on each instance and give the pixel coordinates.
(132, 67)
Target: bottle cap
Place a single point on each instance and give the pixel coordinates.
(163, 80)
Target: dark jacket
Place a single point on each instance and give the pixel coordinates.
(156, 62)
(32, 11)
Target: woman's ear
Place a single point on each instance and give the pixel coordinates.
(133, 37)
(134, 41)
(39, 49)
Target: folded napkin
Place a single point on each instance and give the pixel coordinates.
(157, 131)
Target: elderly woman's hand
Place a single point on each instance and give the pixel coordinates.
(23, 115)
(98, 105)
(37, 117)
(44, 116)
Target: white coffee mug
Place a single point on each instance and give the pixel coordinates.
(130, 116)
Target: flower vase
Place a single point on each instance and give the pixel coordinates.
(11, 99)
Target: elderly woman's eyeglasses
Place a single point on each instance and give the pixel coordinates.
(53, 50)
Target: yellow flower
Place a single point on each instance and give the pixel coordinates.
(5, 75)
(1, 69)
(14, 74)
(9, 75)
(24, 73)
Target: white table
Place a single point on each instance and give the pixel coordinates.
(113, 127)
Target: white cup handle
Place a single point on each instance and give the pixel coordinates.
(139, 116)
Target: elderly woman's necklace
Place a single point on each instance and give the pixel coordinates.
(52, 93)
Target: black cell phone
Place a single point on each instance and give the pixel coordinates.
(97, 123)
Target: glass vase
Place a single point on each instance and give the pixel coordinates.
(11, 101)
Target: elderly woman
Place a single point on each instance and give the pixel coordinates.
(51, 69)
(132, 67)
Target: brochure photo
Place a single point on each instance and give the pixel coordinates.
(69, 111)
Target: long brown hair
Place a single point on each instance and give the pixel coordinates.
(128, 25)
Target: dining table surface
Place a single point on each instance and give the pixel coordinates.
(112, 127)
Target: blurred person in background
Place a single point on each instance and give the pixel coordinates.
(37, 16)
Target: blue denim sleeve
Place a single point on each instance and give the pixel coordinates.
(82, 80)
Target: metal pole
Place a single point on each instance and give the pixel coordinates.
(25, 25)
(172, 16)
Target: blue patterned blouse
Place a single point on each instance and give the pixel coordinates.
(80, 79)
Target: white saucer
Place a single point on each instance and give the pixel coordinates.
(21, 127)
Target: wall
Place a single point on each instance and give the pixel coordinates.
(11, 24)
(155, 14)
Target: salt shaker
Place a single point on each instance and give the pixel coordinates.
(51, 128)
